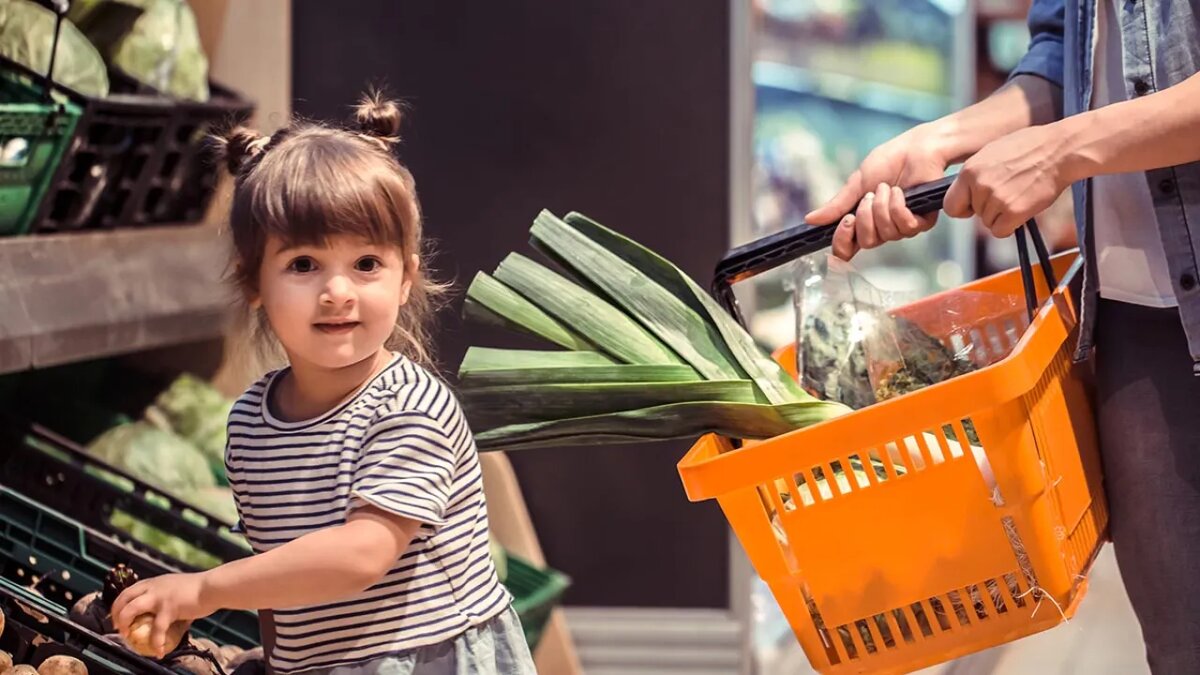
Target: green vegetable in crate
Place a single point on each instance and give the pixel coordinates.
(197, 412)
(217, 501)
(156, 42)
(167, 544)
(158, 457)
(26, 36)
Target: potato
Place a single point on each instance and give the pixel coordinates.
(138, 638)
(6, 661)
(2, 619)
(62, 665)
(21, 670)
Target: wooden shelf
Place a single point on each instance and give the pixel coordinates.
(79, 296)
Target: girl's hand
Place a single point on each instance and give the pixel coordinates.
(1011, 180)
(170, 598)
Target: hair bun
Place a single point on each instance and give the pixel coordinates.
(237, 146)
(379, 117)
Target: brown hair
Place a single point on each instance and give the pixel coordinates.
(309, 182)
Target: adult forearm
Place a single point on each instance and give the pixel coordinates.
(1026, 100)
(1155, 131)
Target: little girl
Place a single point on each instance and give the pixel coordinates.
(354, 471)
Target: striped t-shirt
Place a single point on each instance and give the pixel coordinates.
(401, 444)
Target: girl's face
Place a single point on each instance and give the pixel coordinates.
(333, 306)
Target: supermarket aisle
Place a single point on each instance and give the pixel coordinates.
(1102, 639)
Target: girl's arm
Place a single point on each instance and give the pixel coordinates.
(319, 567)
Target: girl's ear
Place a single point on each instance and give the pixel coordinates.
(410, 273)
(249, 289)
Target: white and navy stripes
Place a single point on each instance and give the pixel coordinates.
(402, 445)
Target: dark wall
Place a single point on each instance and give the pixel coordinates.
(616, 108)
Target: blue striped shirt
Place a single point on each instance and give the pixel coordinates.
(402, 445)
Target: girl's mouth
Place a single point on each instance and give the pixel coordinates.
(336, 327)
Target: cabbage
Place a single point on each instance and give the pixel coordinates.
(216, 501)
(156, 42)
(26, 36)
(157, 457)
(196, 411)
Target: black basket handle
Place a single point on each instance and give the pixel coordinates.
(776, 249)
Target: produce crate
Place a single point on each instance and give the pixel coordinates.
(72, 561)
(536, 592)
(56, 472)
(942, 551)
(106, 169)
(34, 135)
(37, 628)
(185, 181)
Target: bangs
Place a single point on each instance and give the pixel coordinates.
(324, 186)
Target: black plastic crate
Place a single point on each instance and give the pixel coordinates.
(106, 171)
(70, 560)
(183, 186)
(59, 474)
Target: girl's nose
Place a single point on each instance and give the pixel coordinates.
(338, 291)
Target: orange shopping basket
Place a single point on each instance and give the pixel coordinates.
(941, 551)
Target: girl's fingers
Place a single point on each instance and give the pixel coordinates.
(158, 634)
(142, 605)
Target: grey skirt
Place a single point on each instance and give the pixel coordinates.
(495, 647)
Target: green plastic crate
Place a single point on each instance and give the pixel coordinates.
(536, 592)
(34, 135)
(73, 559)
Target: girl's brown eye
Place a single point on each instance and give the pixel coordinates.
(302, 265)
(368, 264)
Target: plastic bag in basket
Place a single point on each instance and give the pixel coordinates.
(857, 346)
